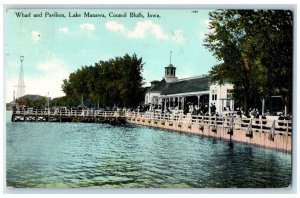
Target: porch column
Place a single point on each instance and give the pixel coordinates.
(221, 105)
(174, 102)
(179, 103)
(160, 103)
(263, 107)
(209, 102)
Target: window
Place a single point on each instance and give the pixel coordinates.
(229, 97)
(229, 93)
(214, 97)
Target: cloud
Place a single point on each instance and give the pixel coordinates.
(35, 35)
(51, 64)
(205, 30)
(38, 85)
(63, 30)
(206, 23)
(115, 26)
(177, 36)
(187, 73)
(201, 35)
(141, 30)
(88, 27)
(50, 76)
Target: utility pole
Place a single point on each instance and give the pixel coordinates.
(48, 99)
(21, 84)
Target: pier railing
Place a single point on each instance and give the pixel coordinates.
(271, 125)
(71, 113)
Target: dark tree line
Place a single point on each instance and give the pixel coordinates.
(113, 83)
(256, 51)
(35, 101)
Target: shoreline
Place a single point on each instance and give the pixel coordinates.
(270, 134)
(281, 143)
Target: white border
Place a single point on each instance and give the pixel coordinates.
(155, 4)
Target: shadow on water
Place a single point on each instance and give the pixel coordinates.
(240, 166)
(230, 145)
(214, 141)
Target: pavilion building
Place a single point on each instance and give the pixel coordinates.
(182, 94)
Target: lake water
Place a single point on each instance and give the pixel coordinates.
(59, 155)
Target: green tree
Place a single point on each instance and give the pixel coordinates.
(255, 48)
(116, 82)
(33, 101)
(60, 101)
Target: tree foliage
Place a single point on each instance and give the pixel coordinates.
(255, 48)
(33, 101)
(60, 101)
(116, 82)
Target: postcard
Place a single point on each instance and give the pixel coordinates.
(149, 98)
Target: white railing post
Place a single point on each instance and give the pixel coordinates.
(272, 131)
(287, 128)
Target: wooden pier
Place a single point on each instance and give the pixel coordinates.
(86, 116)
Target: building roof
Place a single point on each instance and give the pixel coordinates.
(158, 87)
(195, 84)
(170, 66)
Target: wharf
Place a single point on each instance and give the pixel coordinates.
(267, 133)
(86, 116)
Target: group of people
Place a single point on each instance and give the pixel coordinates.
(189, 108)
(202, 110)
(25, 108)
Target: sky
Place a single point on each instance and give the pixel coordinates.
(53, 47)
